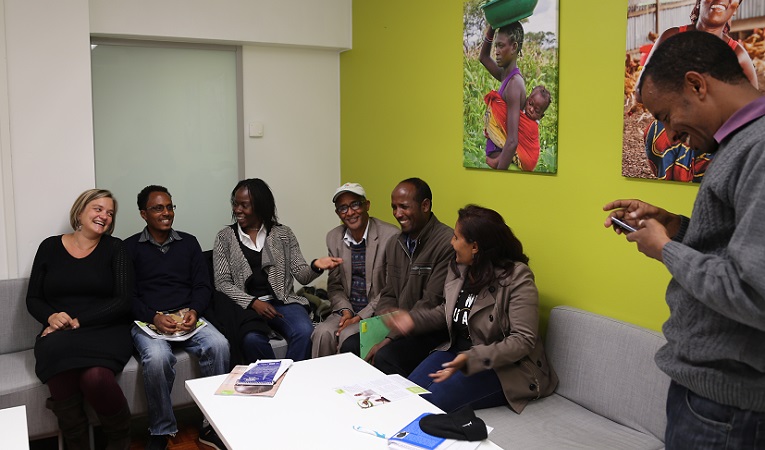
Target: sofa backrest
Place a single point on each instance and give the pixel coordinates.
(18, 328)
(607, 366)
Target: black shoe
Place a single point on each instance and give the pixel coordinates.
(157, 442)
(208, 436)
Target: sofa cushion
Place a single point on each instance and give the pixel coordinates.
(131, 382)
(18, 328)
(19, 386)
(556, 422)
(607, 366)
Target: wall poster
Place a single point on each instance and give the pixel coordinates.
(647, 150)
(510, 85)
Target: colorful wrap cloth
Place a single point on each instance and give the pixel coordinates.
(495, 129)
(673, 160)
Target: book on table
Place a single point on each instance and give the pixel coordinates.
(229, 386)
(411, 437)
(264, 372)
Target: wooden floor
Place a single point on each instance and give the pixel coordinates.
(186, 439)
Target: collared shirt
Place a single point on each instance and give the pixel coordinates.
(411, 244)
(260, 239)
(163, 247)
(348, 238)
(753, 110)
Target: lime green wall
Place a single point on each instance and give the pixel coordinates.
(401, 116)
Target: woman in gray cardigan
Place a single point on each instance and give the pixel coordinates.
(256, 261)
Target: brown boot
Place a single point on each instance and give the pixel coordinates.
(72, 421)
(116, 428)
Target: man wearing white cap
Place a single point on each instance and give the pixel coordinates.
(354, 286)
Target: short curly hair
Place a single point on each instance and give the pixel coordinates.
(143, 196)
(692, 51)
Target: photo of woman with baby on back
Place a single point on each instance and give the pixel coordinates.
(510, 85)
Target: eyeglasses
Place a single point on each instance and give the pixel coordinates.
(356, 206)
(160, 208)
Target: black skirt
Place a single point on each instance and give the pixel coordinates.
(108, 346)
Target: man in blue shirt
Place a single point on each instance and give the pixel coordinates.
(172, 290)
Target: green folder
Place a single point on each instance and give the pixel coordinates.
(371, 332)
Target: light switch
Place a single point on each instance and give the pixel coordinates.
(256, 129)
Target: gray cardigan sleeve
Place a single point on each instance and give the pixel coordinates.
(729, 281)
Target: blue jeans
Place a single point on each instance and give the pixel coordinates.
(296, 327)
(158, 361)
(480, 390)
(699, 423)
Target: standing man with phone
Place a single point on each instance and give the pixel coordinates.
(715, 351)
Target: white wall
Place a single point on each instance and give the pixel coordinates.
(7, 227)
(312, 23)
(291, 84)
(298, 155)
(49, 108)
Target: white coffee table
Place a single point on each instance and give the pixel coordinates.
(306, 413)
(13, 424)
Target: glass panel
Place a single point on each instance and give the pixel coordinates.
(167, 116)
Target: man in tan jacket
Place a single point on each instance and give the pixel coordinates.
(354, 286)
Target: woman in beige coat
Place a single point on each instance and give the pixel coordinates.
(494, 356)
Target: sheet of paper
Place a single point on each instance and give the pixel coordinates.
(380, 391)
(170, 337)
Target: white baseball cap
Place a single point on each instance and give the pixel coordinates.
(354, 188)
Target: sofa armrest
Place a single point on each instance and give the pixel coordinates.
(607, 366)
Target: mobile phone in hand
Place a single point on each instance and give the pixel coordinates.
(622, 225)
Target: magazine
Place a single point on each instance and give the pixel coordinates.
(152, 331)
(264, 372)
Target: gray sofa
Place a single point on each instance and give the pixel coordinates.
(19, 384)
(611, 395)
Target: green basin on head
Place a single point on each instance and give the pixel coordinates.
(504, 12)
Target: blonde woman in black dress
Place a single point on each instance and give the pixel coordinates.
(79, 290)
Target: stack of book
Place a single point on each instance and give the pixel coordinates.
(261, 378)
(264, 372)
